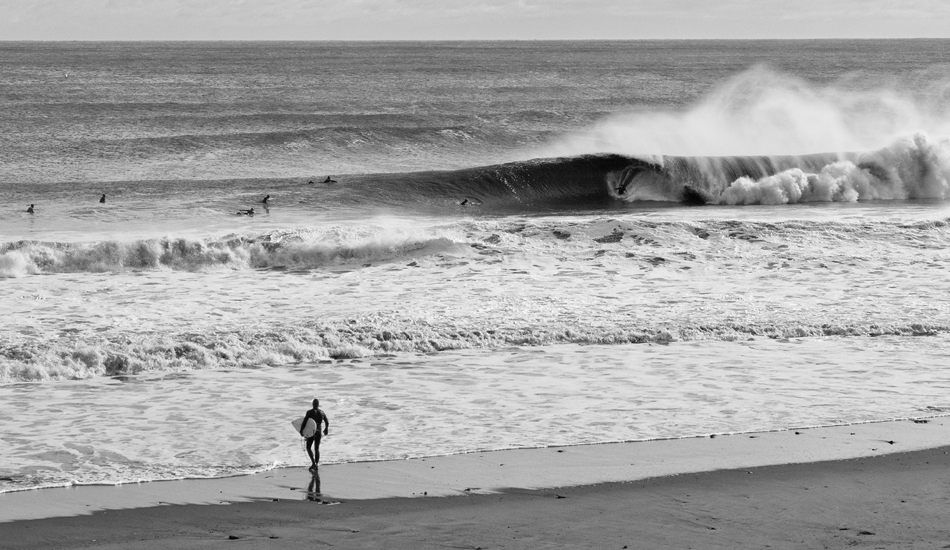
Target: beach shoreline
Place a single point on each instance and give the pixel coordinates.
(51, 518)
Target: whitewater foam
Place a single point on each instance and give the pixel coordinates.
(913, 168)
(581, 280)
(286, 249)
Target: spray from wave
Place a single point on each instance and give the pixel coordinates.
(762, 112)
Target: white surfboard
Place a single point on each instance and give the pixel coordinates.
(309, 429)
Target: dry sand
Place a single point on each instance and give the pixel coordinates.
(819, 495)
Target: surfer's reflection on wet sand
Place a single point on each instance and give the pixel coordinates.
(313, 490)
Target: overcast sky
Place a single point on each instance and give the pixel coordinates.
(468, 19)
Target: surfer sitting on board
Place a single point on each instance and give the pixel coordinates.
(318, 417)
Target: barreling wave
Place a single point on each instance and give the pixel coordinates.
(285, 249)
(912, 168)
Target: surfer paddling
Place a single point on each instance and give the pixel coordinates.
(318, 417)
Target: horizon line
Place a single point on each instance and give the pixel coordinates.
(680, 39)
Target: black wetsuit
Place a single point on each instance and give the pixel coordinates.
(319, 417)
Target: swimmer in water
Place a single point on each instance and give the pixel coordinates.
(264, 202)
(329, 180)
(248, 212)
(30, 209)
(102, 199)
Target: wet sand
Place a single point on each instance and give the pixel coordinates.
(876, 490)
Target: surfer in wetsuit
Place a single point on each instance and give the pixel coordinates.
(264, 202)
(318, 417)
(329, 180)
(30, 209)
(102, 199)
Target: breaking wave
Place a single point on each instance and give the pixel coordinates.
(916, 167)
(284, 249)
(912, 168)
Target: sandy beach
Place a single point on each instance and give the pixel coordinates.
(880, 485)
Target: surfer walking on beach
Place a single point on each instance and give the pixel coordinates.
(319, 417)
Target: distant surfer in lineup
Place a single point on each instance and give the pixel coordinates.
(318, 417)
(30, 209)
(248, 212)
(329, 180)
(102, 199)
(264, 202)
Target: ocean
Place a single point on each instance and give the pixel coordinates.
(465, 246)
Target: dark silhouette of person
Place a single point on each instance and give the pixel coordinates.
(329, 180)
(264, 202)
(310, 182)
(319, 417)
(30, 209)
(102, 199)
(248, 212)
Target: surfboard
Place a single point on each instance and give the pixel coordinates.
(309, 430)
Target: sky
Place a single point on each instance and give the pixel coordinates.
(469, 19)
